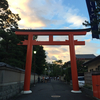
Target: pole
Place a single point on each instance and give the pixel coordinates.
(34, 69)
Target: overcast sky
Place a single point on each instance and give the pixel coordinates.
(56, 14)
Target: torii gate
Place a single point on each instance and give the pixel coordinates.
(71, 42)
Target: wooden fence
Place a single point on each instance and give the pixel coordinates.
(88, 78)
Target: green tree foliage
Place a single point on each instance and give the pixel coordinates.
(10, 52)
(39, 59)
(3, 4)
(63, 69)
(80, 67)
(67, 74)
(67, 71)
(51, 68)
(56, 68)
(8, 19)
(57, 62)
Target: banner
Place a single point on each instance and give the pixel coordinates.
(91, 8)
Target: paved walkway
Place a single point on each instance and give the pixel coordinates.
(54, 90)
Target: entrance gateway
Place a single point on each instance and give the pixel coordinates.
(71, 42)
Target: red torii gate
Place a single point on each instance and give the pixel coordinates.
(71, 42)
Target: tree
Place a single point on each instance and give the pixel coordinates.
(8, 19)
(3, 4)
(10, 52)
(39, 59)
(56, 68)
(58, 62)
(51, 68)
(67, 74)
(80, 67)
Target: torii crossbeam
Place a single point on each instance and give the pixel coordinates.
(71, 42)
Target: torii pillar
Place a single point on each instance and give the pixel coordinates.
(73, 65)
(28, 64)
(71, 42)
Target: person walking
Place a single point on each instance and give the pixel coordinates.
(38, 79)
(43, 79)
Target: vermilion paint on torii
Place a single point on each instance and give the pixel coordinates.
(71, 42)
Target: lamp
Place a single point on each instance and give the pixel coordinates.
(34, 52)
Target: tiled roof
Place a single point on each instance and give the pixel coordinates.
(86, 56)
(2, 64)
(94, 59)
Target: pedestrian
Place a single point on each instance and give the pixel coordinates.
(43, 79)
(38, 79)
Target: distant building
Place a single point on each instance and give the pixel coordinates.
(83, 57)
(93, 64)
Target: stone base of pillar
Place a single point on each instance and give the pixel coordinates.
(26, 92)
(76, 91)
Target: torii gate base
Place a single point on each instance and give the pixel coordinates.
(71, 42)
(26, 92)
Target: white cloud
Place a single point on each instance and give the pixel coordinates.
(53, 58)
(60, 52)
(28, 16)
(88, 48)
(66, 27)
(88, 40)
(73, 18)
(43, 13)
(47, 13)
(60, 38)
(43, 38)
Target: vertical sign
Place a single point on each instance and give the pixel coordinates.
(91, 8)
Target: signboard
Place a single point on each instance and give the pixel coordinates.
(91, 8)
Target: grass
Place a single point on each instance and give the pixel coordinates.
(88, 87)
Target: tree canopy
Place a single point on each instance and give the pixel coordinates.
(8, 19)
(10, 52)
(39, 59)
